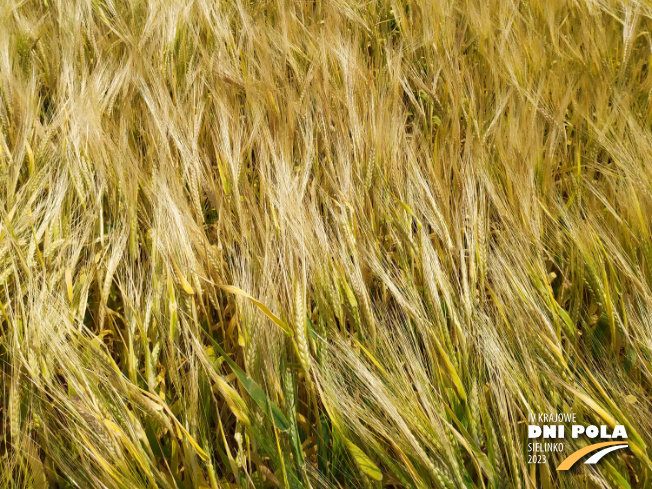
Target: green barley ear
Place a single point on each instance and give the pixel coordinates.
(594, 284)
(290, 407)
(300, 331)
(352, 304)
(367, 313)
(335, 295)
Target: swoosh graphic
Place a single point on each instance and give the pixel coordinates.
(595, 458)
(575, 456)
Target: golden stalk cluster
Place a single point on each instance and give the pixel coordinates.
(322, 244)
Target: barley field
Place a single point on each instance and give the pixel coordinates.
(323, 243)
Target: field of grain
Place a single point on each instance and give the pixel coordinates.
(322, 243)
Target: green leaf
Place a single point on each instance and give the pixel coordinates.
(365, 464)
(570, 327)
(256, 392)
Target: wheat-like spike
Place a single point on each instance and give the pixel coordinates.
(14, 411)
(98, 428)
(363, 295)
(594, 284)
(334, 294)
(300, 333)
(290, 403)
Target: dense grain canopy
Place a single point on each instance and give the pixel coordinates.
(322, 244)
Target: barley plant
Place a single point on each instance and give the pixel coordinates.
(322, 243)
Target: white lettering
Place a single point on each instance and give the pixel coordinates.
(533, 431)
(577, 430)
(603, 432)
(619, 431)
(550, 431)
